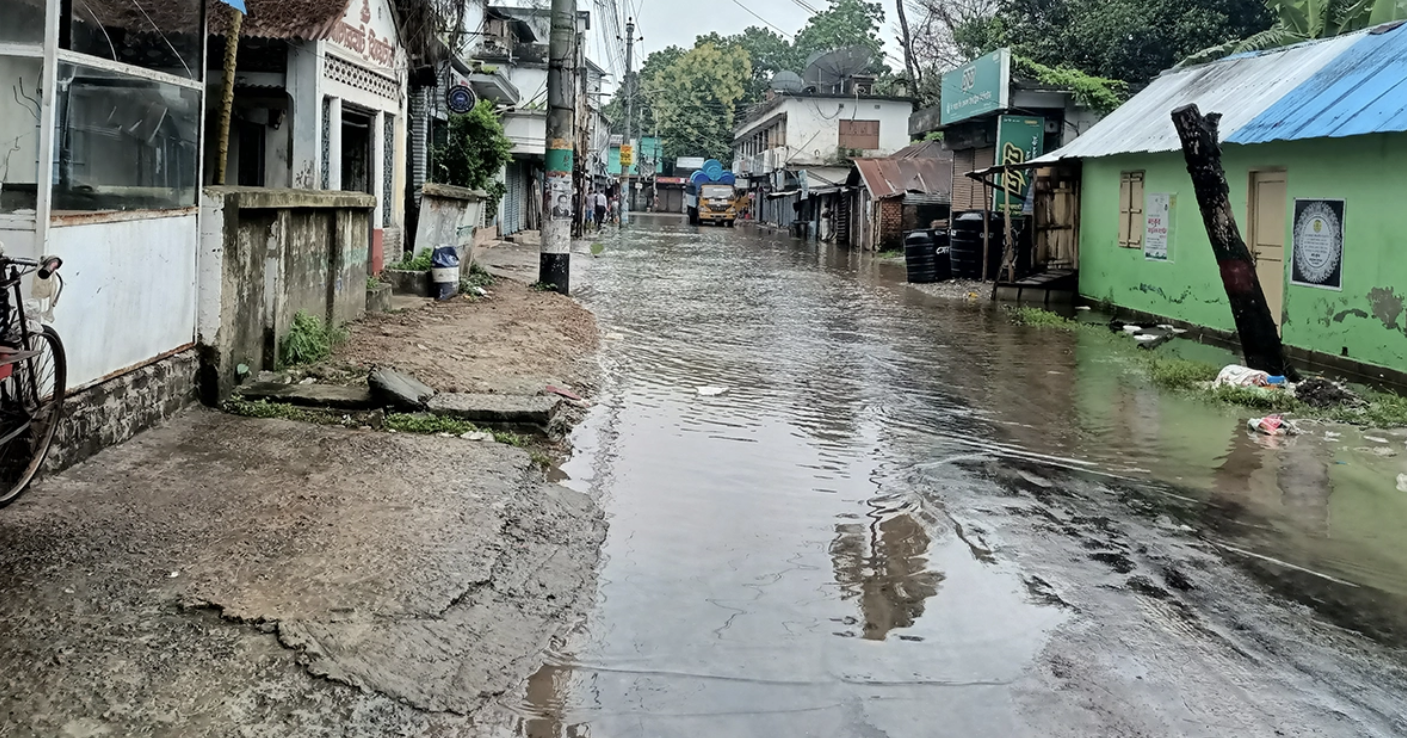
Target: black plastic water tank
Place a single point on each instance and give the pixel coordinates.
(920, 258)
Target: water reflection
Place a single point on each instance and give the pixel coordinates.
(882, 565)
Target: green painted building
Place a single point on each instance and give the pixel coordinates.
(1315, 150)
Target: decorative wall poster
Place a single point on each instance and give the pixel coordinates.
(1157, 225)
(1318, 244)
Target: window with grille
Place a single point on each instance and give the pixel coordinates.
(1131, 210)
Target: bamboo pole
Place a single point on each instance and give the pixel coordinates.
(222, 134)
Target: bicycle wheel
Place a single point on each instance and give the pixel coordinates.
(31, 405)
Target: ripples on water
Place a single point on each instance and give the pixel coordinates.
(778, 563)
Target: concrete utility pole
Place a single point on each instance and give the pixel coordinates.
(556, 258)
(626, 193)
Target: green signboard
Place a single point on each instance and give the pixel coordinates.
(1020, 138)
(978, 87)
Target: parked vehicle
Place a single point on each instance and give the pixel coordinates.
(33, 374)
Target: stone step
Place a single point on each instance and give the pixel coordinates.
(534, 410)
(335, 397)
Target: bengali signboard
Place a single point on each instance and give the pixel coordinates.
(627, 156)
(368, 30)
(1318, 244)
(1020, 138)
(1157, 225)
(981, 86)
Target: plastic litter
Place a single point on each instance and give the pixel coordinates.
(1235, 375)
(1271, 425)
(1402, 482)
(1133, 329)
(711, 391)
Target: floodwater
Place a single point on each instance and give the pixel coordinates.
(907, 517)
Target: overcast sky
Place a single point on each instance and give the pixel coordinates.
(665, 23)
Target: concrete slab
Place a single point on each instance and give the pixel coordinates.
(311, 395)
(536, 410)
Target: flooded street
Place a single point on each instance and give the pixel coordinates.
(907, 517)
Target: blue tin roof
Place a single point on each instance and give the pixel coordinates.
(1363, 90)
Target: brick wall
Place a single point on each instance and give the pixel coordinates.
(891, 224)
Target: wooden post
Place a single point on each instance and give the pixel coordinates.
(1260, 339)
(222, 133)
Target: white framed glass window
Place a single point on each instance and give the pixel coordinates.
(20, 81)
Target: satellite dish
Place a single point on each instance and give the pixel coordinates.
(830, 70)
(785, 81)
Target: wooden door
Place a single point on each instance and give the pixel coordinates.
(1268, 202)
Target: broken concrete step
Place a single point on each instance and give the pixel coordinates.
(395, 389)
(331, 396)
(535, 410)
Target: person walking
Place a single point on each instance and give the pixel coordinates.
(599, 206)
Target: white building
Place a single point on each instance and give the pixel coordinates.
(797, 146)
(321, 99)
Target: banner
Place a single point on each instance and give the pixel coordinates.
(1318, 244)
(1020, 138)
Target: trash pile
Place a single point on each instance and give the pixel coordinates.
(1316, 392)
(1147, 338)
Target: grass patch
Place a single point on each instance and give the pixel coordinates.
(1180, 374)
(480, 277)
(418, 262)
(310, 339)
(542, 460)
(1038, 318)
(433, 425)
(373, 282)
(542, 287)
(279, 411)
(890, 254)
(1264, 400)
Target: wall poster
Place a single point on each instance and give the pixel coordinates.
(1157, 225)
(1317, 245)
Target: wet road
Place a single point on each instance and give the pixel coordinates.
(907, 517)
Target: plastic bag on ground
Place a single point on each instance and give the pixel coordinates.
(1272, 425)
(1235, 375)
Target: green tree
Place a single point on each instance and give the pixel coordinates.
(695, 100)
(476, 151)
(769, 52)
(1306, 20)
(845, 23)
(644, 109)
(1127, 40)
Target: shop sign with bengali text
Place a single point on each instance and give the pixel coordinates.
(1020, 138)
(981, 86)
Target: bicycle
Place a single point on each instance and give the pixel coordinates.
(33, 376)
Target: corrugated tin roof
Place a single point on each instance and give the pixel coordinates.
(1363, 90)
(895, 177)
(1241, 88)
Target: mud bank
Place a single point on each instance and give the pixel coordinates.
(230, 576)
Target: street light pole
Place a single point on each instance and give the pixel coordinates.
(554, 266)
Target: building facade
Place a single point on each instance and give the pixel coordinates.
(1312, 139)
(796, 148)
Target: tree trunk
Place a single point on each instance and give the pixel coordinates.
(222, 132)
(1260, 339)
(909, 64)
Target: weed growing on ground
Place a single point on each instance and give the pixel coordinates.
(373, 282)
(279, 411)
(1038, 318)
(310, 339)
(418, 262)
(1180, 374)
(425, 424)
(543, 287)
(890, 254)
(480, 277)
(542, 460)
(428, 424)
(1263, 400)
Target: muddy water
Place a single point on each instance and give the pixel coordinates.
(802, 555)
